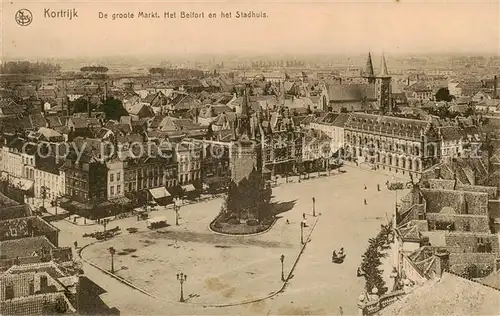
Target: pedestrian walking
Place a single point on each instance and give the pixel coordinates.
(365, 186)
(341, 310)
(365, 202)
(378, 187)
(304, 215)
(76, 244)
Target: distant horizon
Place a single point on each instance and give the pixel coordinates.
(245, 55)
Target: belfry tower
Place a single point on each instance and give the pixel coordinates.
(384, 88)
(244, 149)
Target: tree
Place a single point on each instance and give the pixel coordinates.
(443, 94)
(26, 67)
(371, 259)
(98, 69)
(113, 109)
(370, 265)
(232, 199)
(251, 197)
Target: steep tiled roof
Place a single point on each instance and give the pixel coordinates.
(24, 247)
(10, 212)
(341, 119)
(351, 92)
(450, 295)
(450, 133)
(387, 124)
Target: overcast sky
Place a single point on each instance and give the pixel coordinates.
(292, 27)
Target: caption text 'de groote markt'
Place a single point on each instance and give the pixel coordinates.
(183, 15)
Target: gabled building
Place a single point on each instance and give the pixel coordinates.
(281, 143)
(392, 143)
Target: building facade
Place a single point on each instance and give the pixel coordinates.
(215, 171)
(391, 143)
(188, 155)
(116, 182)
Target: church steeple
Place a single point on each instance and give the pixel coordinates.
(369, 73)
(383, 69)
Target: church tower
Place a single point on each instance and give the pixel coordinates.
(384, 88)
(368, 72)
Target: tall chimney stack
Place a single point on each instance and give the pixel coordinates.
(495, 86)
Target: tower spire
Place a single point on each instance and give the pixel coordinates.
(369, 73)
(383, 68)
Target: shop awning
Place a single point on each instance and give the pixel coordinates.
(159, 193)
(189, 188)
(121, 201)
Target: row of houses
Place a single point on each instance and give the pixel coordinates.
(37, 276)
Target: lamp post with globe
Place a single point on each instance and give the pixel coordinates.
(182, 278)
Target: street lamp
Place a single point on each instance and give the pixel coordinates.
(314, 206)
(56, 202)
(282, 259)
(112, 251)
(105, 223)
(44, 192)
(182, 278)
(302, 232)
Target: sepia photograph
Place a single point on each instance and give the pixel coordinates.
(165, 157)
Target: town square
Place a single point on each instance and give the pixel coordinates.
(226, 270)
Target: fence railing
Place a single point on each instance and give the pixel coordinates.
(385, 300)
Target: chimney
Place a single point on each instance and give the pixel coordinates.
(105, 91)
(442, 262)
(495, 86)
